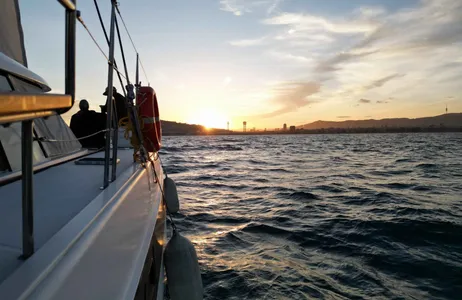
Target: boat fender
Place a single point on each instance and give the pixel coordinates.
(171, 195)
(182, 267)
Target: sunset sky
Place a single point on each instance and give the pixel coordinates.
(268, 62)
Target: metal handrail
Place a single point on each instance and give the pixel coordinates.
(16, 107)
(21, 107)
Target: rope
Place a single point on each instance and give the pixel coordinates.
(133, 44)
(163, 194)
(134, 140)
(127, 124)
(46, 140)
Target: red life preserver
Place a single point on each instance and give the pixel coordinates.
(148, 110)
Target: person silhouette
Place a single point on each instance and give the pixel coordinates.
(86, 122)
(120, 104)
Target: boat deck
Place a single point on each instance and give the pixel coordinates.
(60, 193)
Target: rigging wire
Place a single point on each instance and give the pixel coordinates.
(108, 42)
(99, 47)
(133, 44)
(79, 18)
(121, 83)
(122, 50)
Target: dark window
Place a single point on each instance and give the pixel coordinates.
(4, 165)
(11, 142)
(5, 85)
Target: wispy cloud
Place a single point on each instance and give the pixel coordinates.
(343, 117)
(248, 42)
(291, 96)
(274, 6)
(232, 6)
(380, 82)
(306, 22)
(333, 63)
(239, 7)
(227, 81)
(289, 57)
(369, 53)
(371, 11)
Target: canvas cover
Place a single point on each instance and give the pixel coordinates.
(11, 35)
(12, 45)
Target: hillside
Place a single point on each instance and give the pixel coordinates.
(174, 128)
(453, 120)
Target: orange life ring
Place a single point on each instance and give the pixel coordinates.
(148, 110)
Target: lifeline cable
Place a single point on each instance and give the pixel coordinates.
(46, 140)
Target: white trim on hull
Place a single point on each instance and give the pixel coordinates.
(101, 252)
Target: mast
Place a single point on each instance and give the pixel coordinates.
(137, 75)
(109, 98)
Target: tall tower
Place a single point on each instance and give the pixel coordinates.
(227, 126)
(244, 126)
(446, 108)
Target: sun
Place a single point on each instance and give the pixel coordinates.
(210, 118)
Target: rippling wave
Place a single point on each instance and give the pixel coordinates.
(322, 216)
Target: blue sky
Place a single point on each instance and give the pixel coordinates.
(269, 62)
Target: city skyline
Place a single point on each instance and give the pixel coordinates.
(268, 61)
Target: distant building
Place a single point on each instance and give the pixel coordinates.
(244, 124)
(284, 127)
(292, 129)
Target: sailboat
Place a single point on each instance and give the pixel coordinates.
(81, 223)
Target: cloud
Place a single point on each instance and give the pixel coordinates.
(380, 82)
(227, 81)
(371, 11)
(333, 63)
(289, 57)
(231, 6)
(412, 52)
(434, 24)
(378, 38)
(343, 117)
(239, 7)
(249, 42)
(291, 96)
(306, 22)
(274, 6)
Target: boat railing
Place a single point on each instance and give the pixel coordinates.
(19, 107)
